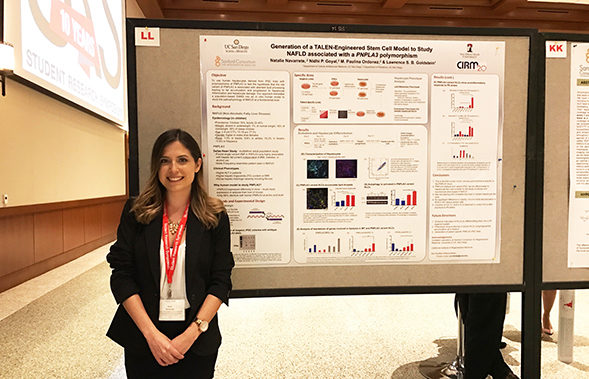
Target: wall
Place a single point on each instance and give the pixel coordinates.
(133, 10)
(64, 171)
(52, 152)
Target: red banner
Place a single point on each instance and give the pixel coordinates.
(78, 31)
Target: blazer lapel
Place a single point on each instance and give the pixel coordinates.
(153, 236)
(194, 234)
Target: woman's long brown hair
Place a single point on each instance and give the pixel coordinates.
(151, 201)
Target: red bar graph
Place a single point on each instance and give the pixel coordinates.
(460, 133)
(350, 201)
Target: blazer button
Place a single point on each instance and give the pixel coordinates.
(155, 295)
(192, 297)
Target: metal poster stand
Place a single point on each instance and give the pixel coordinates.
(447, 367)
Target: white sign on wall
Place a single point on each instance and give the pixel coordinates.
(75, 51)
(556, 49)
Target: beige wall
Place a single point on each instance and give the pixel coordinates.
(53, 152)
(133, 10)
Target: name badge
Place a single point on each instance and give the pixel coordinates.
(172, 310)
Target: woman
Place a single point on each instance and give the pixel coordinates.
(171, 268)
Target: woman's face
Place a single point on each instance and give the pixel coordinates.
(177, 168)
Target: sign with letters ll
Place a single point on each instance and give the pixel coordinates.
(147, 36)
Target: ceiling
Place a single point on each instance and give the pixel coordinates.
(569, 16)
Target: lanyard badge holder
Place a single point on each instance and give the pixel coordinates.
(172, 309)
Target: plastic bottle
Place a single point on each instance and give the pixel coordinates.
(566, 325)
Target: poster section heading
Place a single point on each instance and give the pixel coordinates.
(328, 151)
(78, 49)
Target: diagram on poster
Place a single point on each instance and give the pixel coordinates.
(357, 193)
(367, 98)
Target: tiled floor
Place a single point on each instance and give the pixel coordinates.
(54, 325)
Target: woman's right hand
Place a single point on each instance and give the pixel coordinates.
(162, 349)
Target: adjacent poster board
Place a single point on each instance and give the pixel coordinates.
(566, 205)
(352, 160)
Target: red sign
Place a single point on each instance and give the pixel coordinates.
(78, 31)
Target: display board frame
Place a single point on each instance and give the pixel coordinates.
(529, 279)
(511, 284)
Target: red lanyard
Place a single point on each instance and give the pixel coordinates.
(171, 256)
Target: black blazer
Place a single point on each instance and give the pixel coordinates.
(135, 262)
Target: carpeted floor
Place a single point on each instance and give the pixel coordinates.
(60, 333)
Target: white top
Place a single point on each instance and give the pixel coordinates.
(179, 277)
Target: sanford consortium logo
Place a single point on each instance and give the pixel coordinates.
(584, 69)
(236, 47)
(234, 62)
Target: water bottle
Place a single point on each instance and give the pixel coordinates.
(566, 325)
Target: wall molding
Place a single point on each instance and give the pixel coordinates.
(37, 208)
(38, 238)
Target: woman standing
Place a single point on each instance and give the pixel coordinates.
(171, 268)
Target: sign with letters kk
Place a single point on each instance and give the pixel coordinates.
(556, 49)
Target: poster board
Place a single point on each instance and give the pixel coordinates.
(556, 264)
(172, 97)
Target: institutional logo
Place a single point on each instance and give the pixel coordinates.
(236, 47)
(471, 60)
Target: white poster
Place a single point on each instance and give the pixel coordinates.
(464, 179)
(578, 246)
(332, 151)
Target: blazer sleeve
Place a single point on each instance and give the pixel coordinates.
(121, 257)
(222, 264)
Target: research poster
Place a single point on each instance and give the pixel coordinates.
(339, 151)
(578, 244)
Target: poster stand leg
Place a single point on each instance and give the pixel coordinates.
(447, 367)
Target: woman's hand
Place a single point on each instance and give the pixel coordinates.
(183, 342)
(161, 347)
(163, 350)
